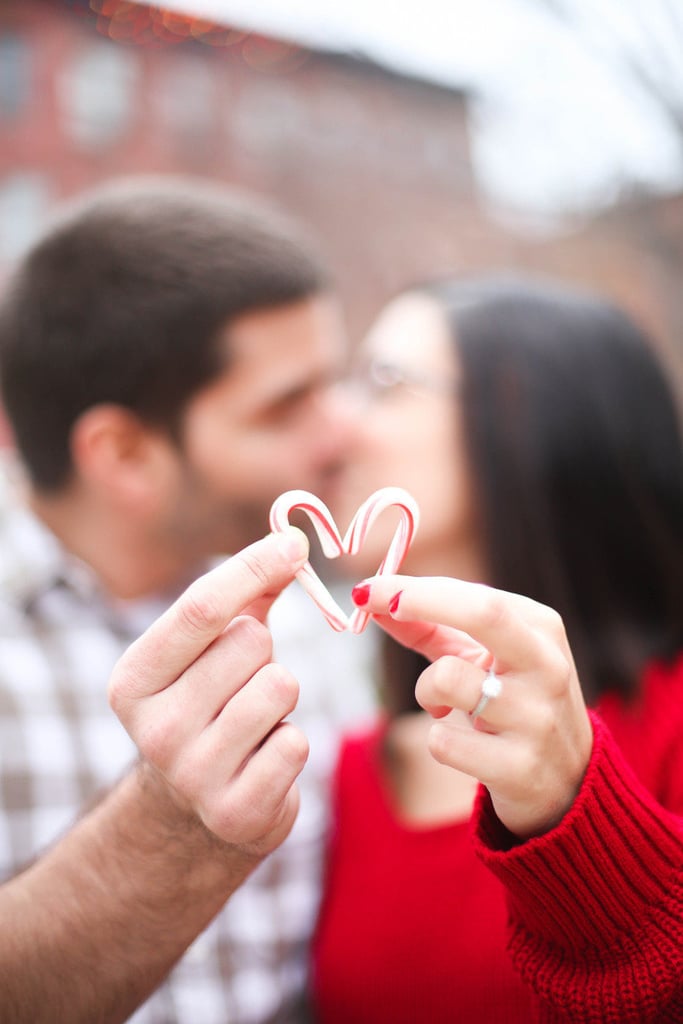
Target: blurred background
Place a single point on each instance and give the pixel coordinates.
(413, 136)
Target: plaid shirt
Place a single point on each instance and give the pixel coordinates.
(61, 746)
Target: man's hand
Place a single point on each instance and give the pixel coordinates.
(93, 926)
(204, 703)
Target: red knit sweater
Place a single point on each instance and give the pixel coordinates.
(413, 925)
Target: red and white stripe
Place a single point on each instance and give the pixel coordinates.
(334, 545)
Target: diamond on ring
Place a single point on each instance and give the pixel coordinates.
(492, 686)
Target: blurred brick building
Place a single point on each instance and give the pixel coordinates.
(377, 162)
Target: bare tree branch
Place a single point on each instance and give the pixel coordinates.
(653, 65)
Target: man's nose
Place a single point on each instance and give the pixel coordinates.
(340, 409)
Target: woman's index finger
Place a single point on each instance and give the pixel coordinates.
(504, 624)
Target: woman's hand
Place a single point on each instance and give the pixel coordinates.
(531, 744)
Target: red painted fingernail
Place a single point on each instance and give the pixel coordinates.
(361, 594)
(393, 604)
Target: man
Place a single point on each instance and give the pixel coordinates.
(90, 929)
(168, 357)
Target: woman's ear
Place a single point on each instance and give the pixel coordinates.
(115, 452)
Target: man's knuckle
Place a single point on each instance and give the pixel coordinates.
(128, 681)
(117, 689)
(157, 739)
(280, 687)
(200, 612)
(234, 820)
(251, 637)
(293, 746)
(255, 568)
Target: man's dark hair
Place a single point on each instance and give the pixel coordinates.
(124, 299)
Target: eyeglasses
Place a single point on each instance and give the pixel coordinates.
(380, 377)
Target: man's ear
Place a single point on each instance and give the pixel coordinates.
(115, 451)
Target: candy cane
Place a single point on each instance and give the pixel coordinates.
(333, 545)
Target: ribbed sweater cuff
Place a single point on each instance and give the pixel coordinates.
(614, 857)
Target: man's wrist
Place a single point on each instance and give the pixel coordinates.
(174, 832)
(101, 918)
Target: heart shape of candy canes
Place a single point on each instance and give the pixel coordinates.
(334, 545)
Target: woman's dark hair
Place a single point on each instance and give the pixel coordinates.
(574, 442)
(574, 439)
(124, 299)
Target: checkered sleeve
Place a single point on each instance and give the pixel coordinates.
(61, 747)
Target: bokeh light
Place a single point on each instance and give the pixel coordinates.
(124, 21)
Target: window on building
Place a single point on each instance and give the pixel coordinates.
(269, 118)
(15, 75)
(96, 93)
(25, 199)
(184, 99)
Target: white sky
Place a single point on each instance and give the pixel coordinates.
(554, 126)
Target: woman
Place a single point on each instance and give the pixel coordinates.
(535, 428)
